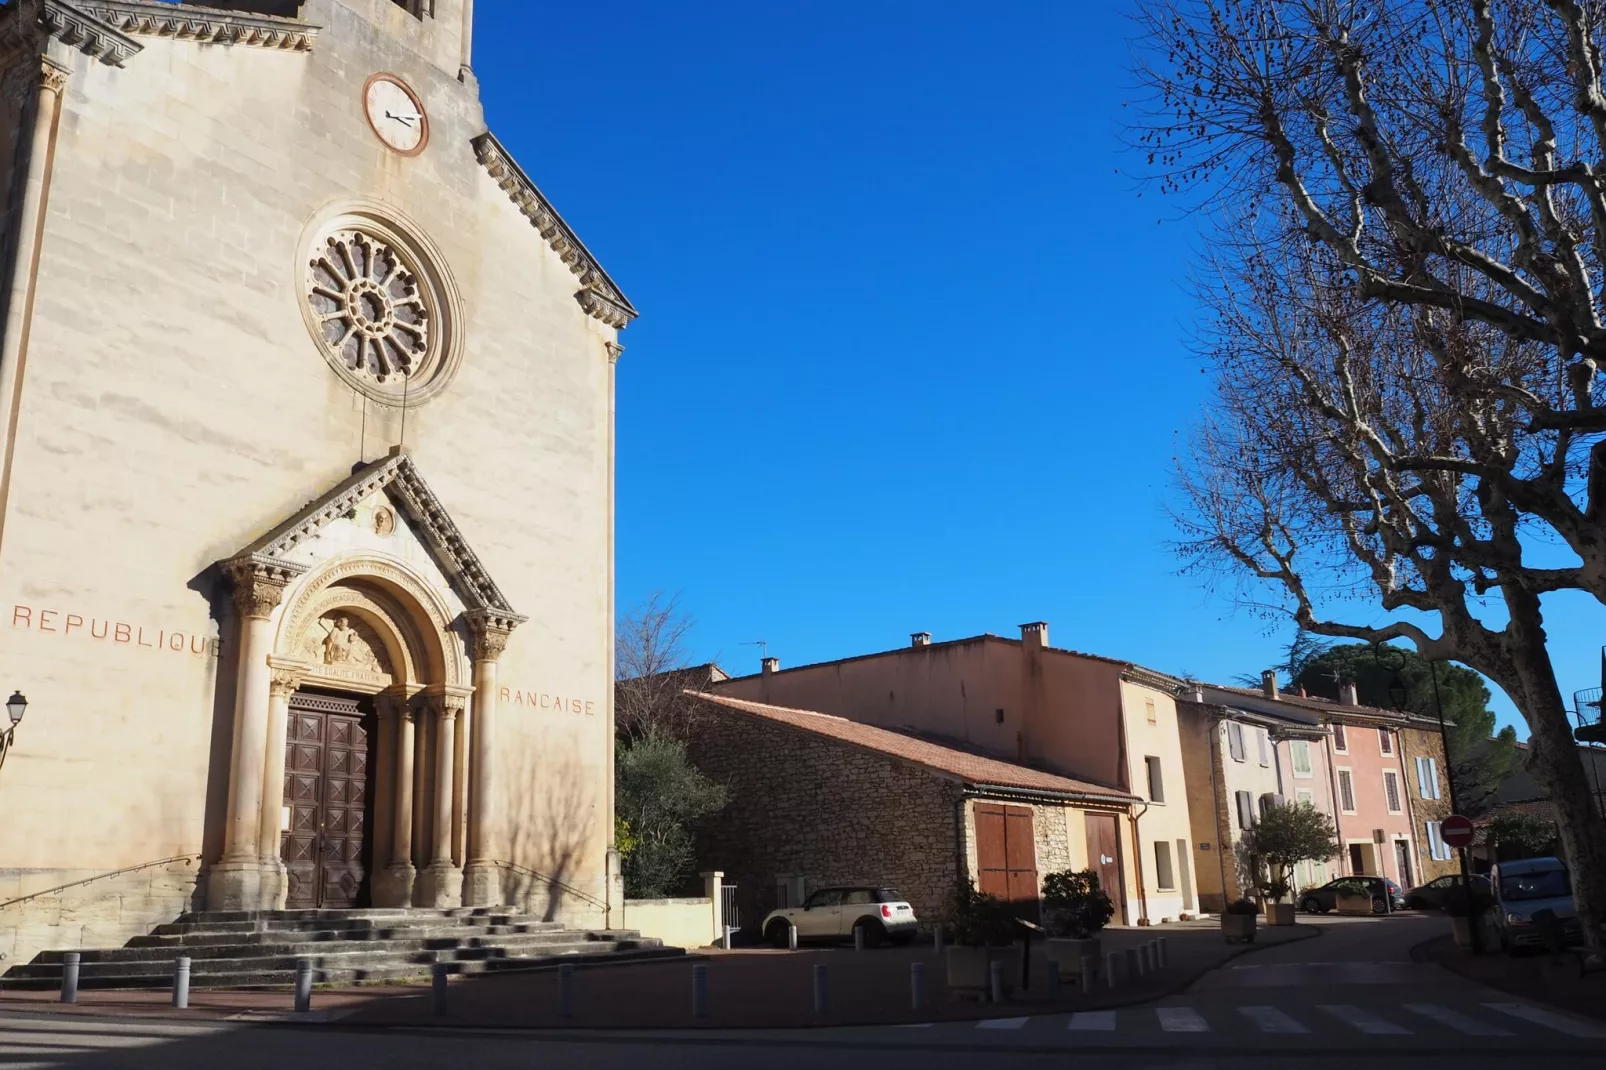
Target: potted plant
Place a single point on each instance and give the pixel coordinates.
(1352, 897)
(1286, 836)
(1273, 892)
(1465, 908)
(1238, 921)
(983, 931)
(1075, 909)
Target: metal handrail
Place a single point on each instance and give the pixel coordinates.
(99, 877)
(554, 882)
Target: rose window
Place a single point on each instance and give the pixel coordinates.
(371, 307)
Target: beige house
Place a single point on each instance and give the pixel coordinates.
(1095, 719)
(819, 800)
(306, 397)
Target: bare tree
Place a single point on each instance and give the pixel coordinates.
(1407, 333)
(651, 673)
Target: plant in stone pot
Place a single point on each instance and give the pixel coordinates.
(1238, 921)
(1352, 897)
(1075, 909)
(1286, 836)
(1465, 909)
(984, 931)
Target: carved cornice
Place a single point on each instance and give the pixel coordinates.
(598, 295)
(259, 582)
(399, 478)
(204, 25)
(489, 632)
(28, 23)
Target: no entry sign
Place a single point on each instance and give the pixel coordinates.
(1456, 831)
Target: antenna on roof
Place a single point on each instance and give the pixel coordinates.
(763, 647)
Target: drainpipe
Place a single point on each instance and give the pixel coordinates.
(1137, 867)
(1332, 783)
(1218, 801)
(48, 80)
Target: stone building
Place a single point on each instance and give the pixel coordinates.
(306, 500)
(1091, 718)
(819, 800)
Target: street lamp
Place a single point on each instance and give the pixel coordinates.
(16, 706)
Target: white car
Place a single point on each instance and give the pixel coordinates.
(834, 913)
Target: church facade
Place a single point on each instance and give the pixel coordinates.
(306, 500)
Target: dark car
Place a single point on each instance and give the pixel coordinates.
(1321, 900)
(1430, 896)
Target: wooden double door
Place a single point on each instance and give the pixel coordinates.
(328, 793)
(1006, 856)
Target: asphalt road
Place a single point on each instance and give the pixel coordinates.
(1352, 994)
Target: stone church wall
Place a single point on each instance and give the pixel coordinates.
(174, 407)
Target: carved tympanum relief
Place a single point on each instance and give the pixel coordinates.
(341, 641)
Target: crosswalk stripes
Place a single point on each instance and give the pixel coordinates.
(1457, 1021)
(1561, 1023)
(1093, 1021)
(1272, 1020)
(1181, 1020)
(1364, 1020)
(1001, 1023)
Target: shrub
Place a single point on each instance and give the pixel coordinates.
(1242, 906)
(976, 919)
(660, 794)
(1074, 905)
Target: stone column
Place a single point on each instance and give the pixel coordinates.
(441, 883)
(613, 868)
(398, 876)
(235, 881)
(482, 878)
(271, 822)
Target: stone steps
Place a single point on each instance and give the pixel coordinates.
(252, 950)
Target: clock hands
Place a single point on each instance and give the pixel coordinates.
(405, 120)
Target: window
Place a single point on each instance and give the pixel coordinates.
(1438, 850)
(825, 897)
(1340, 741)
(1385, 741)
(416, 8)
(1260, 742)
(1235, 740)
(1164, 878)
(1304, 795)
(858, 897)
(1391, 790)
(1346, 791)
(1427, 777)
(1301, 751)
(1148, 711)
(1246, 809)
(1269, 802)
(999, 716)
(1156, 781)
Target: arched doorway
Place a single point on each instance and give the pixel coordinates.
(326, 844)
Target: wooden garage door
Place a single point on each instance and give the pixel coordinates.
(1006, 855)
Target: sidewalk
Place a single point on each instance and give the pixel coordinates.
(758, 988)
(1538, 976)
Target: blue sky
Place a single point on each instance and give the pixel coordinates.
(911, 353)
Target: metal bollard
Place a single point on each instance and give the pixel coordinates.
(937, 940)
(1090, 972)
(303, 985)
(791, 937)
(858, 938)
(1111, 961)
(917, 985)
(1146, 957)
(437, 984)
(730, 934)
(1134, 964)
(181, 982)
(995, 981)
(1053, 979)
(821, 996)
(69, 977)
(1165, 957)
(699, 990)
(566, 990)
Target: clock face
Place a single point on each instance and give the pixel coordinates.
(396, 114)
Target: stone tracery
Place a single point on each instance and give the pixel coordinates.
(373, 313)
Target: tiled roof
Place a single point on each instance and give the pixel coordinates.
(972, 768)
(1323, 706)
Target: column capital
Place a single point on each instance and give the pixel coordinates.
(615, 351)
(447, 703)
(285, 682)
(259, 583)
(41, 74)
(488, 632)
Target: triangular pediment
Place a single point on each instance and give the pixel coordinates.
(421, 518)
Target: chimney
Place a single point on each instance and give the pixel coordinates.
(1268, 683)
(1035, 634)
(919, 638)
(1348, 695)
(771, 665)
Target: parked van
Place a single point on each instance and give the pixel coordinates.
(1522, 889)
